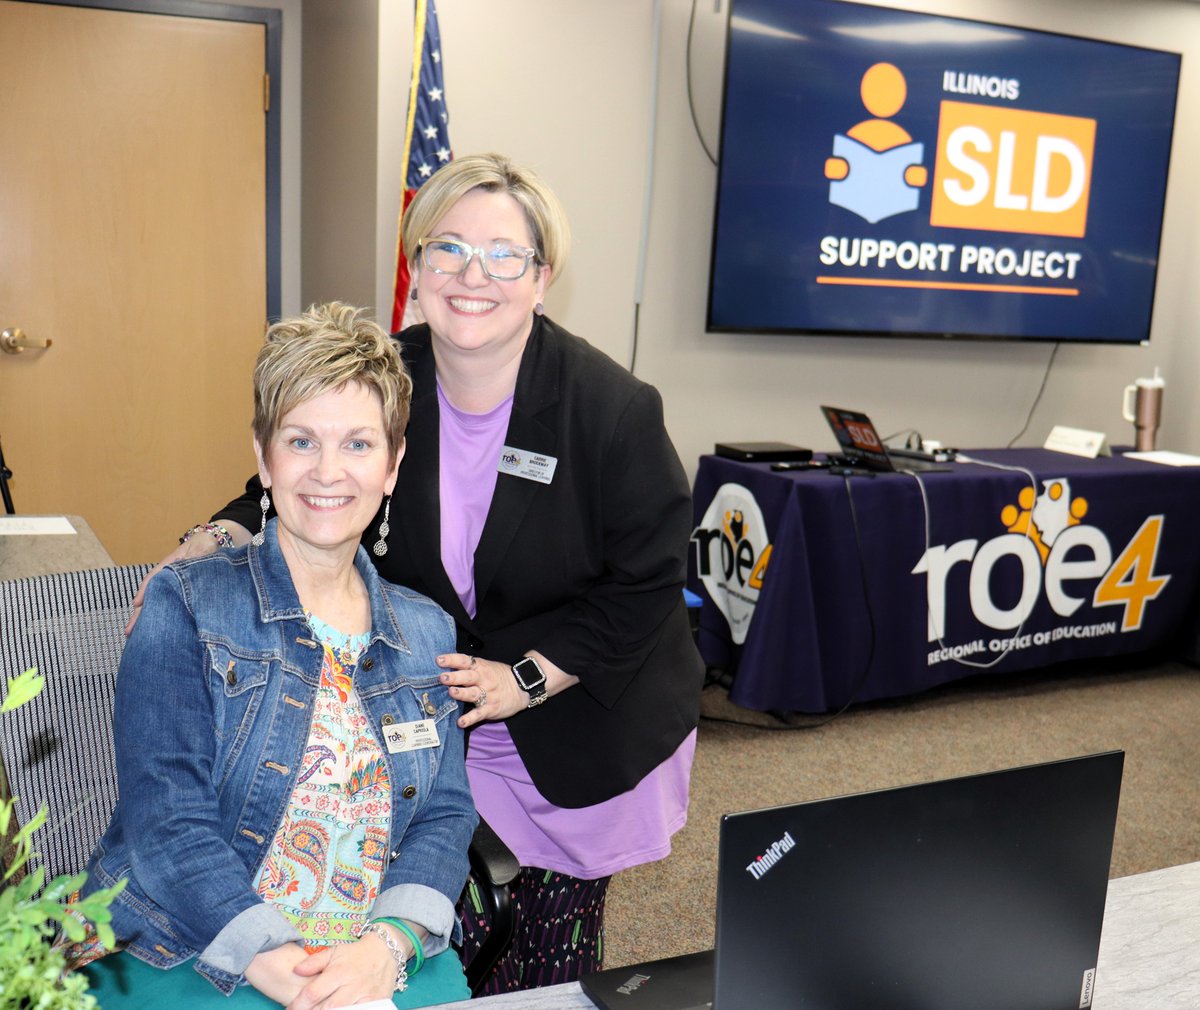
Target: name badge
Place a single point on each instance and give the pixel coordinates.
(406, 736)
(528, 465)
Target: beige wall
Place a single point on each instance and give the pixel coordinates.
(582, 118)
(339, 95)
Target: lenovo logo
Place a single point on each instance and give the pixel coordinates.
(1085, 994)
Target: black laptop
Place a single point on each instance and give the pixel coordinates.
(978, 893)
(860, 445)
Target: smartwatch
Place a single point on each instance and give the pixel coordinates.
(531, 679)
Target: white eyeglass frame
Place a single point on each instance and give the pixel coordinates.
(472, 252)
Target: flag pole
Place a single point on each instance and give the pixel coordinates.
(410, 121)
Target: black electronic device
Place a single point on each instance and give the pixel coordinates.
(531, 678)
(985, 891)
(862, 448)
(762, 452)
(903, 173)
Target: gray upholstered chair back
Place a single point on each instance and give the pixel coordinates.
(58, 749)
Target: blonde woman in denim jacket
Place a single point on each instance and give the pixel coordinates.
(294, 812)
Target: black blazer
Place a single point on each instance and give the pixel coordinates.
(588, 569)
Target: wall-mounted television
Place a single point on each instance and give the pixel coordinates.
(887, 172)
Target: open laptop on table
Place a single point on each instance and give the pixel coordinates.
(859, 443)
(978, 893)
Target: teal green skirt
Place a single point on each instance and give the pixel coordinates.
(122, 982)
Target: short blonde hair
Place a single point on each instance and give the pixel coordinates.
(493, 173)
(322, 350)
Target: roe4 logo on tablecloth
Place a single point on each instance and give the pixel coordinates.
(732, 551)
(1055, 550)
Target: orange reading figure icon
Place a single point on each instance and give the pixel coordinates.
(875, 169)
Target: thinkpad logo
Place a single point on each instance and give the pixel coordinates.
(758, 869)
(631, 986)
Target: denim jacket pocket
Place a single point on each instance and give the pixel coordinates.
(237, 686)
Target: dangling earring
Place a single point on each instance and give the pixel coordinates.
(412, 294)
(380, 546)
(539, 309)
(264, 503)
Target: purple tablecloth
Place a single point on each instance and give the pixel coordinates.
(1099, 559)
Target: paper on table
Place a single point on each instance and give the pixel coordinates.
(1166, 457)
(26, 526)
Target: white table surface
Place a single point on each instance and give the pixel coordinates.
(1149, 951)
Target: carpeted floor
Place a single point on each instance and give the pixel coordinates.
(1151, 712)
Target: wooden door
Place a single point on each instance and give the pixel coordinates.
(133, 238)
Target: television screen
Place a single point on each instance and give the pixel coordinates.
(887, 172)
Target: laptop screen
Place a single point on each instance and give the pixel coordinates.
(857, 438)
(978, 893)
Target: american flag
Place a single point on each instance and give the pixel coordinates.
(426, 139)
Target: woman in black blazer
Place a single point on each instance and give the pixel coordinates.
(542, 504)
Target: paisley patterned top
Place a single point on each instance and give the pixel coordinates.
(326, 862)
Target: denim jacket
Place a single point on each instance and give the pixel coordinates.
(214, 703)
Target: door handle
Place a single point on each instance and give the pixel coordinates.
(14, 341)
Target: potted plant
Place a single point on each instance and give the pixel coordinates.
(33, 972)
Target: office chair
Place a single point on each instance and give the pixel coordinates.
(57, 750)
(5, 476)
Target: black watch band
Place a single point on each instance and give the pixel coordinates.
(531, 679)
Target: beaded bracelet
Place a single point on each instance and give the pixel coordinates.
(218, 532)
(395, 950)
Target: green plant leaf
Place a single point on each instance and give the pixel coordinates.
(105, 935)
(74, 929)
(32, 825)
(35, 878)
(64, 886)
(22, 688)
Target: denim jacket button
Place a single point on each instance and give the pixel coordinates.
(368, 664)
(231, 676)
(409, 792)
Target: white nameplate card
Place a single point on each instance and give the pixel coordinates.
(34, 526)
(406, 736)
(1077, 442)
(526, 464)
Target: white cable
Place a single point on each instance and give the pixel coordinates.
(652, 135)
(961, 458)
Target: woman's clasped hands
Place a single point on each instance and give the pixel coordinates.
(336, 976)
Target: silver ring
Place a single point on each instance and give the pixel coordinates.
(482, 699)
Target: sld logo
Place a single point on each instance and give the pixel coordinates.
(1054, 549)
(1003, 169)
(996, 168)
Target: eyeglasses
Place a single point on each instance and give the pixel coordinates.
(501, 262)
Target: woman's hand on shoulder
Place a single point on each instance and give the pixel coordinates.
(345, 974)
(490, 689)
(194, 547)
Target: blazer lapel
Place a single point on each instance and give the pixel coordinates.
(532, 428)
(418, 506)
